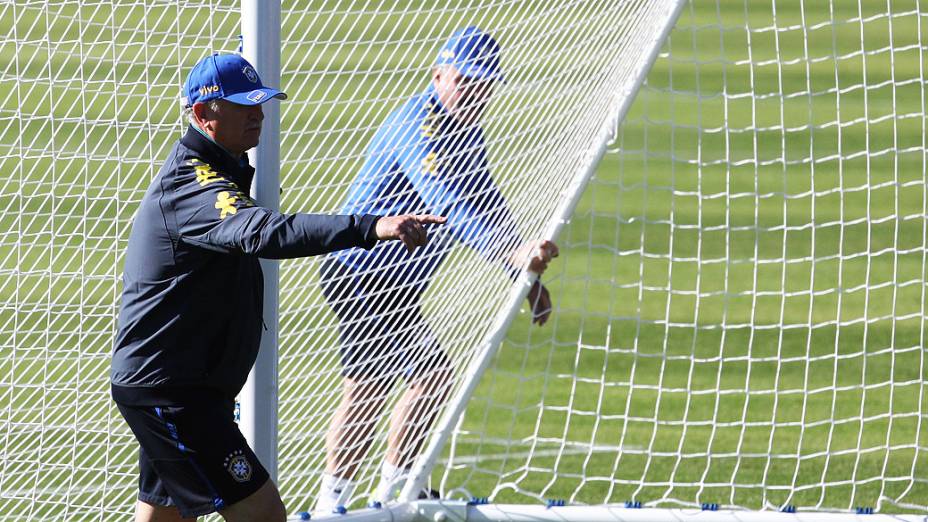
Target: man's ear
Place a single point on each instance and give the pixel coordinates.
(202, 113)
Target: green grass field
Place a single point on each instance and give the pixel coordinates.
(746, 274)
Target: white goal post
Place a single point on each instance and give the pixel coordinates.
(738, 191)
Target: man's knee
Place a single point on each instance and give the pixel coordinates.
(436, 378)
(264, 505)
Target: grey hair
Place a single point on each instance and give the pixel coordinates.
(188, 111)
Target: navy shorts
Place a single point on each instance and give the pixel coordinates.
(193, 456)
(380, 322)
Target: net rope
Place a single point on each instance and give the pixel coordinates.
(751, 332)
(88, 111)
(560, 85)
(739, 302)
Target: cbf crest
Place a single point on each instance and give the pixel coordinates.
(238, 466)
(250, 73)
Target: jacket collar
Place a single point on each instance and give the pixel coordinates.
(237, 170)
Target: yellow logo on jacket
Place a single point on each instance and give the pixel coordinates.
(206, 175)
(429, 122)
(226, 204)
(427, 129)
(430, 163)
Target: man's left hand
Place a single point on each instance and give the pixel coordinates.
(540, 301)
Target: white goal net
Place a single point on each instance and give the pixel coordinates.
(739, 302)
(569, 70)
(741, 314)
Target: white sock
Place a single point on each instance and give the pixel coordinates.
(334, 492)
(391, 480)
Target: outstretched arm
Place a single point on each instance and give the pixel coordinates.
(213, 213)
(477, 212)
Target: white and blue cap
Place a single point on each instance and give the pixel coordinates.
(473, 52)
(227, 77)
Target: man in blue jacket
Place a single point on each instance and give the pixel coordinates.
(190, 322)
(428, 156)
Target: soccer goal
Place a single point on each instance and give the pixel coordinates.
(737, 189)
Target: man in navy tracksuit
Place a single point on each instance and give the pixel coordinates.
(190, 321)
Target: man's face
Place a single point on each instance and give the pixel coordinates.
(235, 127)
(464, 98)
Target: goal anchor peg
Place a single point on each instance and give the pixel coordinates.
(633, 504)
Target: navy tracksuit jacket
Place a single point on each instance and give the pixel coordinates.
(190, 320)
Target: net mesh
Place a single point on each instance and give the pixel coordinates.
(739, 300)
(88, 111)
(741, 307)
(566, 66)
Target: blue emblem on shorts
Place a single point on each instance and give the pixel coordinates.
(256, 95)
(238, 466)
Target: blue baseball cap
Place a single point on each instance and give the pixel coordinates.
(473, 53)
(227, 77)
